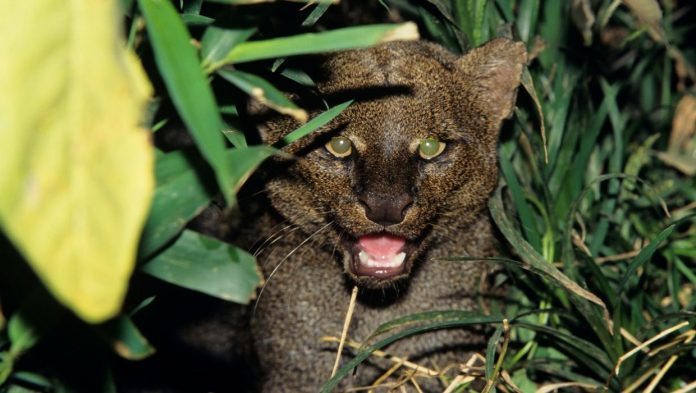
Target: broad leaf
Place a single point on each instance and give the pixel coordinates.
(75, 168)
(182, 192)
(207, 265)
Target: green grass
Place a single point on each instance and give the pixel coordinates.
(595, 206)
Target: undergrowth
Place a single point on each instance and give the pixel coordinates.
(595, 207)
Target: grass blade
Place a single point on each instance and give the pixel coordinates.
(178, 63)
(218, 41)
(362, 355)
(316, 122)
(533, 260)
(334, 40)
(264, 92)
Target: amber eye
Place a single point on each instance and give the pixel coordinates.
(339, 146)
(430, 148)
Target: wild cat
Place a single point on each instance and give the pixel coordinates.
(400, 178)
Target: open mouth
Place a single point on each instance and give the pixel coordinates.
(379, 255)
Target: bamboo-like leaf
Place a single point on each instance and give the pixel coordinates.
(178, 64)
(125, 338)
(316, 122)
(75, 168)
(317, 12)
(579, 346)
(527, 219)
(218, 41)
(334, 40)
(262, 91)
(528, 85)
(645, 254)
(423, 317)
(490, 351)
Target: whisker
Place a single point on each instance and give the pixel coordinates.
(268, 279)
(273, 238)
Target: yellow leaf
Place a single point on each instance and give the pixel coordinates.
(76, 171)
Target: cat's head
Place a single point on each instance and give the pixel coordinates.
(413, 156)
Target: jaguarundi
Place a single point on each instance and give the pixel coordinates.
(398, 180)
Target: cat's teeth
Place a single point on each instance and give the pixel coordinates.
(399, 258)
(364, 258)
(395, 261)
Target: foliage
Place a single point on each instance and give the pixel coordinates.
(75, 198)
(598, 206)
(594, 205)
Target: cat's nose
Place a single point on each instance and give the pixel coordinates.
(385, 209)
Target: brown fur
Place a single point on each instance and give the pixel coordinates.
(404, 91)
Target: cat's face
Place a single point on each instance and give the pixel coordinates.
(410, 162)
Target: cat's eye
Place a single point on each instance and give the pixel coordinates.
(430, 148)
(339, 146)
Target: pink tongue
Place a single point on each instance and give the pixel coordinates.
(381, 246)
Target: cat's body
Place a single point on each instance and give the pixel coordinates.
(377, 206)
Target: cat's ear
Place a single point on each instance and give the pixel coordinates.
(493, 72)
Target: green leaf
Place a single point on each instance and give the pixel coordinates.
(6, 366)
(527, 18)
(36, 316)
(196, 20)
(245, 160)
(421, 317)
(36, 381)
(262, 91)
(479, 36)
(75, 166)
(334, 40)
(189, 90)
(192, 6)
(647, 253)
(534, 261)
(218, 41)
(491, 349)
(316, 122)
(23, 333)
(589, 305)
(182, 192)
(592, 354)
(125, 338)
(298, 76)
(207, 265)
(527, 83)
(527, 219)
(317, 13)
